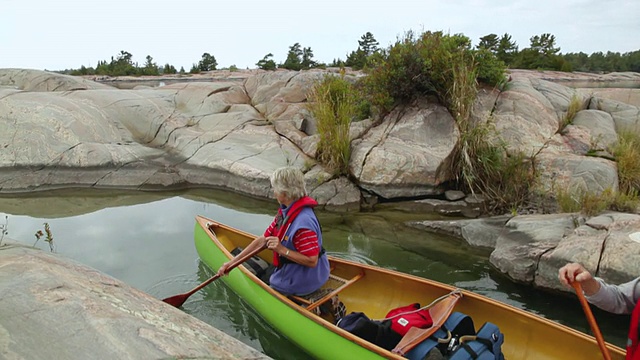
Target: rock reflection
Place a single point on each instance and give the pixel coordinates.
(73, 202)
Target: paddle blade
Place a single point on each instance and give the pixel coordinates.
(176, 300)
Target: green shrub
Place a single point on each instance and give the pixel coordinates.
(267, 62)
(491, 70)
(627, 154)
(364, 108)
(334, 106)
(446, 66)
(426, 65)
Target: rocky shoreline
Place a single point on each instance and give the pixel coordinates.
(60, 131)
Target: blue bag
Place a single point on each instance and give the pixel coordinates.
(485, 345)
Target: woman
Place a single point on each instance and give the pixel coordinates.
(618, 299)
(294, 236)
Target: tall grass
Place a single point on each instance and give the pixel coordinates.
(627, 154)
(578, 199)
(504, 179)
(479, 163)
(575, 105)
(626, 201)
(334, 106)
(591, 203)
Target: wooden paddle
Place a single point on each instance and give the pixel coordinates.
(592, 320)
(178, 300)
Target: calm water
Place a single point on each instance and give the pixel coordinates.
(146, 240)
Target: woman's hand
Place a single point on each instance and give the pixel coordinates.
(259, 242)
(576, 272)
(222, 271)
(273, 243)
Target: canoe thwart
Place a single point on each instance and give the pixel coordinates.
(335, 284)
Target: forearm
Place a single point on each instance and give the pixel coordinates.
(591, 286)
(299, 258)
(618, 299)
(258, 242)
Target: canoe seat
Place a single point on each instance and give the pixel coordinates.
(331, 288)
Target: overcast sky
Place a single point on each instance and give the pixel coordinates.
(64, 34)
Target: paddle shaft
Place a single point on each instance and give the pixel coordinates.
(178, 300)
(592, 320)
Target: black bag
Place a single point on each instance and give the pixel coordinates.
(255, 265)
(376, 332)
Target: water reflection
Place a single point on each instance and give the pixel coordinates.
(233, 316)
(142, 239)
(146, 240)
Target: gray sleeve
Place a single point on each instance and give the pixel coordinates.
(618, 299)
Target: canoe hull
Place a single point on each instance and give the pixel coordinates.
(527, 336)
(308, 335)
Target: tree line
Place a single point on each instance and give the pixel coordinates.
(541, 54)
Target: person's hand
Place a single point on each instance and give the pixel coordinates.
(573, 272)
(273, 243)
(222, 271)
(576, 272)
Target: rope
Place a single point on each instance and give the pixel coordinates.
(455, 291)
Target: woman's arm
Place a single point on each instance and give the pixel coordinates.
(618, 299)
(255, 244)
(300, 258)
(306, 251)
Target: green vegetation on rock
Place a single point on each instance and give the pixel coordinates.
(333, 104)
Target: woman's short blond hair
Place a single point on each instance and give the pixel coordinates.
(289, 181)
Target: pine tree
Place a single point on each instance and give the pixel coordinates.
(294, 58)
(207, 63)
(489, 42)
(368, 43)
(169, 69)
(307, 56)
(267, 63)
(150, 67)
(507, 49)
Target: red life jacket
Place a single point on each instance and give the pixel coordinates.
(633, 349)
(283, 225)
(406, 317)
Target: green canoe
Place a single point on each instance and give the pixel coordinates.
(374, 291)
